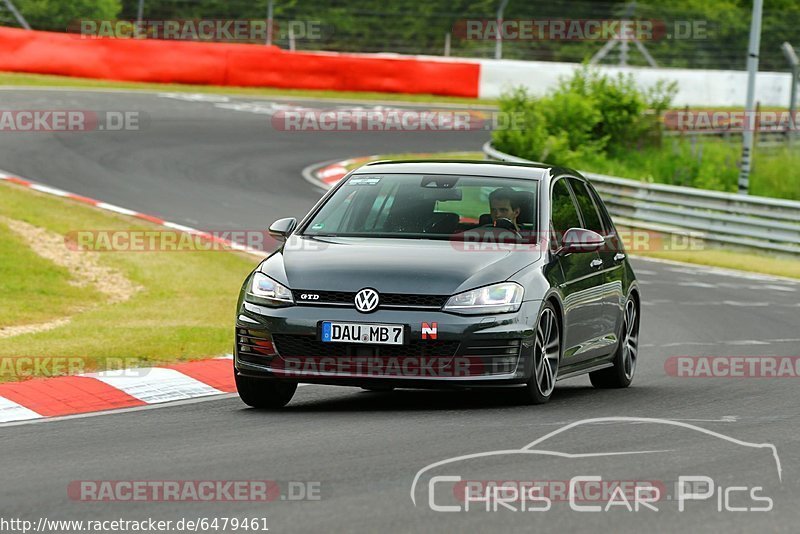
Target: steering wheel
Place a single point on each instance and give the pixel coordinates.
(504, 224)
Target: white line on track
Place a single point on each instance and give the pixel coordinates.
(209, 97)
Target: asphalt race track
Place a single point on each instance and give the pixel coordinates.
(212, 167)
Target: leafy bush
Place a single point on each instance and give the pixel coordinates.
(58, 15)
(588, 115)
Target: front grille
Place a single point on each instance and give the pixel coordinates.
(415, 301)
(291, 346)
(387, 300)
(419, 358)
(306, 355)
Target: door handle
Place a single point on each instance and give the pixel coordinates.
(619, 256)
(596, 263)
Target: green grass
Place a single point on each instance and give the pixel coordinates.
(34, 290)
(706, 164)
(730, 259)
(185, 310)
(44, 80)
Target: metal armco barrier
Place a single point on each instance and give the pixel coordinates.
(727, 218)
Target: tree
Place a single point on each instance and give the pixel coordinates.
(57, 15)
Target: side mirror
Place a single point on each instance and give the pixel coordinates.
(580, 240)
(282, 227)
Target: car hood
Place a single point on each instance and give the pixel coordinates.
(393, 265)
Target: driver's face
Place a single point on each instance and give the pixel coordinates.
(501, 209)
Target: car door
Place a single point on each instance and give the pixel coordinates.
(582, 278)
(611, 290)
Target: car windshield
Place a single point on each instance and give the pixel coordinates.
(436, 206)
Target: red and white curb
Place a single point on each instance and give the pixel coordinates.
(110, 390)
(328, 175)
(125, 211)
(70, 395)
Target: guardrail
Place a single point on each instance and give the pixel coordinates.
(728, 218)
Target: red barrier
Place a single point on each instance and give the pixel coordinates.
(229, 64)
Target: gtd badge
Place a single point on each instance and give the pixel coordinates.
(366, 300)
(309, 296)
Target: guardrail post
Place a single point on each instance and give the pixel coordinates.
(269, 22)
(17, 15)
(791, 57)
(498, 42)
(750, 122)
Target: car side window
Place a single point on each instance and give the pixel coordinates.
(607, 222)
(591, 217)
(564, 213)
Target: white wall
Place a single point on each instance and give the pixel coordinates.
(695, 87)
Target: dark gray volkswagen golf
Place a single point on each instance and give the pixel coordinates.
(433, 274)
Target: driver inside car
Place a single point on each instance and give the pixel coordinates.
(504, 203)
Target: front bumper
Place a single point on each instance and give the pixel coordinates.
(466, 351)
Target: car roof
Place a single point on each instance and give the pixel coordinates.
(499, 169)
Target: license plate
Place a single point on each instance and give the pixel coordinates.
(376, 334)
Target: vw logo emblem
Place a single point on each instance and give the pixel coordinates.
(366, 300)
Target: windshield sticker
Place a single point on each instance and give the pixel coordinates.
(365, 181)
(443, 182)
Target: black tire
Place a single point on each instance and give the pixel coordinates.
(378, 389)
(621, 374)
(264, 392)
(546, 357)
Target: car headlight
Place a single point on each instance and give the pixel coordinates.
(265, 288)
(497, 298)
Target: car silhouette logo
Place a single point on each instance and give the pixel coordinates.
(366, 300)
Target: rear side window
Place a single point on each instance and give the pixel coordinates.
(607, 222)
(591, 216)
(564, 213)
